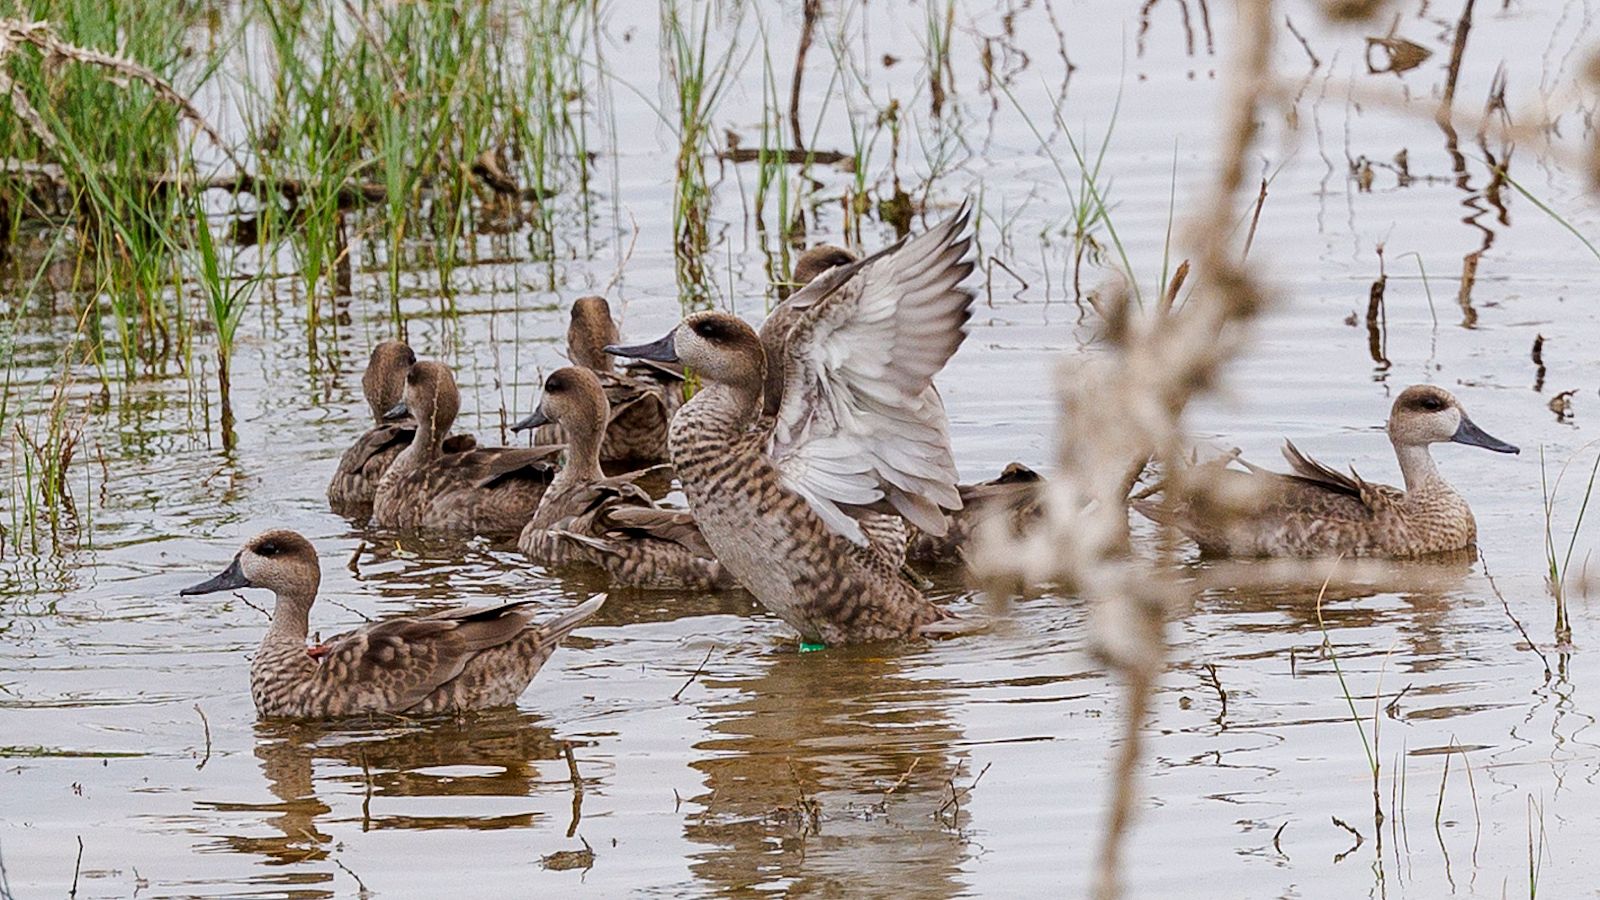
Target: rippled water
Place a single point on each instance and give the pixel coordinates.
(977, 765)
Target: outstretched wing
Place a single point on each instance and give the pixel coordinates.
(860, 422)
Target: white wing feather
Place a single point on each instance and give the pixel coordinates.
(860, 421)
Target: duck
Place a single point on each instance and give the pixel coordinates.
(642, 397)
(466, 658)
(1012, 499)
(586, 517)
(1316, 511)
(486, 490)
(363, 463)
(777, 497)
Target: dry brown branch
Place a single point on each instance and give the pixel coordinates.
(1120, 408)
(16, 32)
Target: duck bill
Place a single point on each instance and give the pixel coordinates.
(1473, 436)
(533, 421)
(231, 578)
(397, 412)
(663, 350)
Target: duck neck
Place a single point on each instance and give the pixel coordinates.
(426, 445)
(1416, 465)
(290, 618)
(583, 454)
(725, 408)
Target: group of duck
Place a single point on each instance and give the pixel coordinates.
(815, 458)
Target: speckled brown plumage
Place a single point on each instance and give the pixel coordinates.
(1315, 511)
(455, 660)
(485, 490)
(798, 551)
(643, 396)
(583, 516)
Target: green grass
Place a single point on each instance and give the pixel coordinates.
(1559, 562)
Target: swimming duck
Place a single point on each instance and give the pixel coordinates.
(1315, 511)
(642, 398)
(364, 462)
(459, 659)
(485, 490)
(853, 431)
(587, 517)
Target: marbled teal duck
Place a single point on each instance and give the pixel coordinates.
(485, 490)
(608, 522)
(853, 432)
(364, 462)
(1315, 511)
(451, 661)
(642, 397)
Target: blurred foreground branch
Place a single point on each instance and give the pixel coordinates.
(1120, 409)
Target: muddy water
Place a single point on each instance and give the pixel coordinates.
(969, 766)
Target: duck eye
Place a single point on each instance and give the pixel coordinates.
(1432, 404)
(711, 330)
(267, 548)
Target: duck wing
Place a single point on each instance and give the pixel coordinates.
(485, 467)
(860, 423)
(377, 440)
(675, 525)
(1311, 473)
(394, 664)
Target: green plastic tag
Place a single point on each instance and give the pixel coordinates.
(811, 648)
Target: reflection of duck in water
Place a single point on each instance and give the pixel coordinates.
(798, 776)
(361, 771)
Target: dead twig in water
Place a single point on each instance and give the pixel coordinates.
(1255, 219)
(1538, 363)
(1510, 615)
(361, 886)
(1304, 44)
(577, 788)
(1276, 835)
(207, 726)
(1216, 684)
(76, 867)
(1469, 277)
(1457, 49)
(697, 673)
(957, 794)
(1339, 857)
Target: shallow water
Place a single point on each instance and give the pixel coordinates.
(977, 765)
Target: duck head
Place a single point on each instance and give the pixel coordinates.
(1425, 414)
(590, 329)
(431, 398)
(719, 347)
(573, 399)
(820, 259)
(384, 382)
(280, 561)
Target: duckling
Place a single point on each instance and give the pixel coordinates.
(451, 661)
(854, 430)
(364, 462)
(586, 517)
(1315, 511)
(642, 398)
(486, 490)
